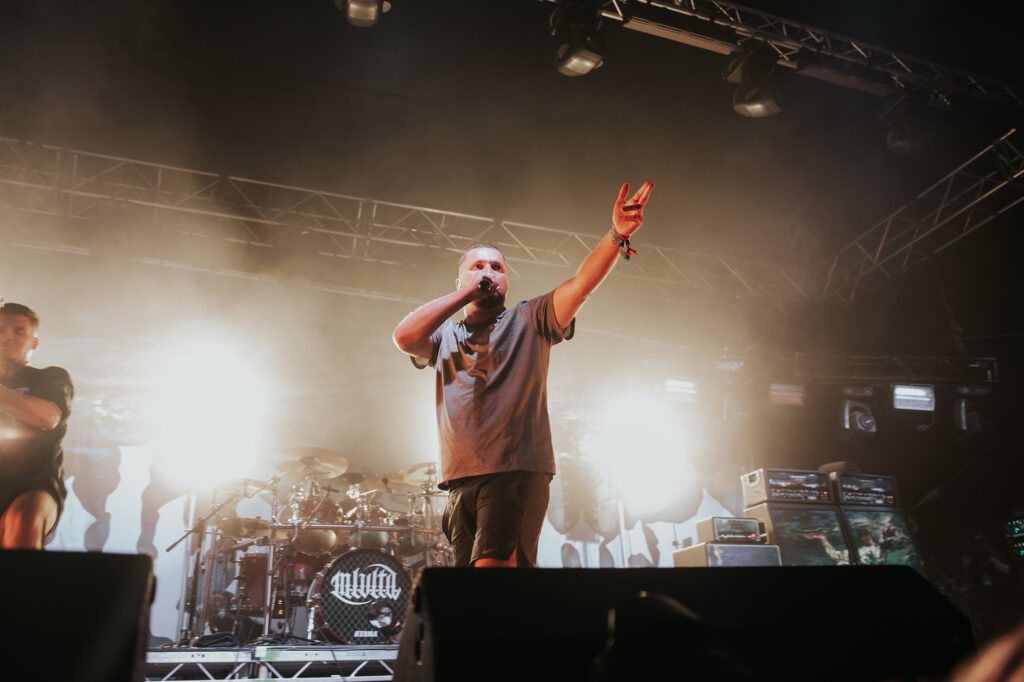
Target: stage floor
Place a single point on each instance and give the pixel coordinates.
(364, 663)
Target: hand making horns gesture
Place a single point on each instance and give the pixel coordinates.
(628, 216)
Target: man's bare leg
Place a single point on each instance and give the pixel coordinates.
(24, 524)
(497, 563)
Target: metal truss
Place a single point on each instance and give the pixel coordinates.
(723, 26)
(886, 369)
(166, 215)
(310, 664)
(820, 368)
(987, 185)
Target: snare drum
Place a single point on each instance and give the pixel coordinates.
(359, 598)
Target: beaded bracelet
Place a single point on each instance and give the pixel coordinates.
(623, 242)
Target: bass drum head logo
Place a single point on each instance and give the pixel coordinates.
(359, 598)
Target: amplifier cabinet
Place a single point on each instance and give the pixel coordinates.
(870, 490)
(732, 529)
(807, 535)
(880, 535)
(722, 554)
(786, 485)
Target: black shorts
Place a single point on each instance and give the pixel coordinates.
(494, 515)
(12, 490)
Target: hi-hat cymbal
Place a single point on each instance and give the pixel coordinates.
(396, 486)
(244, 528)
(315, 463)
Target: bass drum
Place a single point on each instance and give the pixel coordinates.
(359, 598)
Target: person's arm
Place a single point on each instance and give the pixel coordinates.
(571, 294)
(36, 412)
(412, 335)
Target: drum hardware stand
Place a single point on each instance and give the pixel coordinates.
(272, 565)
(199, 530)
(211, 566)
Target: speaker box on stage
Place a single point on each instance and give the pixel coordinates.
(756, 623)
(74, 616)
(714, 554)
(807, 535)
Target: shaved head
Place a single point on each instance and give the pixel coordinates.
(465, 254)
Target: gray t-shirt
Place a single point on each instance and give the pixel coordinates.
(492, 408)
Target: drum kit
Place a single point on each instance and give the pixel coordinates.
(334, 562)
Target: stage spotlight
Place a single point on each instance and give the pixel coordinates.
(909, 128)
(362, 12)
(856, 416)
(971, 410)
(917, 398)
(916, 404)
(753, 71)
(213, 408)
(576, 24)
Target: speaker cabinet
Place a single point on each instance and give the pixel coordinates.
(781, 623)
(73, 616)
(715, 554)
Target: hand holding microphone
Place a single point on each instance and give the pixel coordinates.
(486, 287)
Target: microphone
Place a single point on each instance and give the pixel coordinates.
(486, 284)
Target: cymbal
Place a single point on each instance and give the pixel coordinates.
(244, 528)
(365, 477)
(315, 463)
(419, 473)
(245, 487)
(396, 486)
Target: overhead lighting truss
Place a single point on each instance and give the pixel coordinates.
(872, 369)
(185, 210)
(723, 26)
(986, 186)
(202, 208)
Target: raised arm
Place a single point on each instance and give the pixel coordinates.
(570, 294)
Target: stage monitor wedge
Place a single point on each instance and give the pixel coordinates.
(75, 616)
(781, 623)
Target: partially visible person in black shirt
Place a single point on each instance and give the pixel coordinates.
(34, 408)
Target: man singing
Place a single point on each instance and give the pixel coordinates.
(491, 371)
(34, 408)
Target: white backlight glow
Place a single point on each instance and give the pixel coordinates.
(212, 414)
(643, 444)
